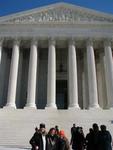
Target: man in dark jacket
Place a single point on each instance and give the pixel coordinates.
(77, 140)
(105, 139)
(73, 129)
(39, 139)
(90, 140)
(96, 134)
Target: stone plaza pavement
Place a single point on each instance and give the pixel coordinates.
(13, 148)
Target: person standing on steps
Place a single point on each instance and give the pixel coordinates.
(39, 139)
(73, 129)
(105, 139)
(78, 140)
(52, 139)
(63, 141)
(57, 130)
(89, 140)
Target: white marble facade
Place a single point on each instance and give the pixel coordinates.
(56, 57)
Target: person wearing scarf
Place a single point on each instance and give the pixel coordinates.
(63, 141)
(52, 139)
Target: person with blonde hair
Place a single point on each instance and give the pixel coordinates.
(63, 141)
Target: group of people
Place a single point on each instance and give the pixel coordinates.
(56, 139)
(95, 140)
(53, 140)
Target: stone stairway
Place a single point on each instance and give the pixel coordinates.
(17, 125)
(13, 148)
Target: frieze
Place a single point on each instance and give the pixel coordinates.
(58, 15)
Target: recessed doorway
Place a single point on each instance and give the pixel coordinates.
(61, 94)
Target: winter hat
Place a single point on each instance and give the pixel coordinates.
(42, 125)
(62, 133)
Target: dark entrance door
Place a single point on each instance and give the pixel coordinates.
(61, 94)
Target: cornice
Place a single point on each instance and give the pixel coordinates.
(80, 37)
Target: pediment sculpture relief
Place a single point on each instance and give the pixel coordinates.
(58, 15)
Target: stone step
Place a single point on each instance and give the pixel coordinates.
(13, 148)
(17, 126)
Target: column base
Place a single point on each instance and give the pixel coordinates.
(10, 106)
(30, 106)
(74, 107)
(97, 107)
(51, 107)
(110, 108)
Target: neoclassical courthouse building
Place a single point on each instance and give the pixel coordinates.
(58, 57)
(56, 66)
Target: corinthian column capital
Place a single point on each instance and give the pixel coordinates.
(16, 41)
(89, 42)
(52, 41)
(107, 42)
(34, 41)
(1, 41)
(71, 41)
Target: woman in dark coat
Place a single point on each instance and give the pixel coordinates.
(52, 139)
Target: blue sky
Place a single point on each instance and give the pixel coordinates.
(12, 6)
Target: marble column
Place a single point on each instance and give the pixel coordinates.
(11, 97)
(85, 83)
(109, 72)
(84, 91)
(1, 72)
(104, 85)
(72, 72)
(31, 90)
(51, 79)
(1, 44)
(92, 81)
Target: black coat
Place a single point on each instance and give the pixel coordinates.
(52, 142)
(77, 141)
(90, 141)
(105, 140)
(36, 140)
(63, 144)
(73, 130)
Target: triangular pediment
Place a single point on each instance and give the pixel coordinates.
(58, 13)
